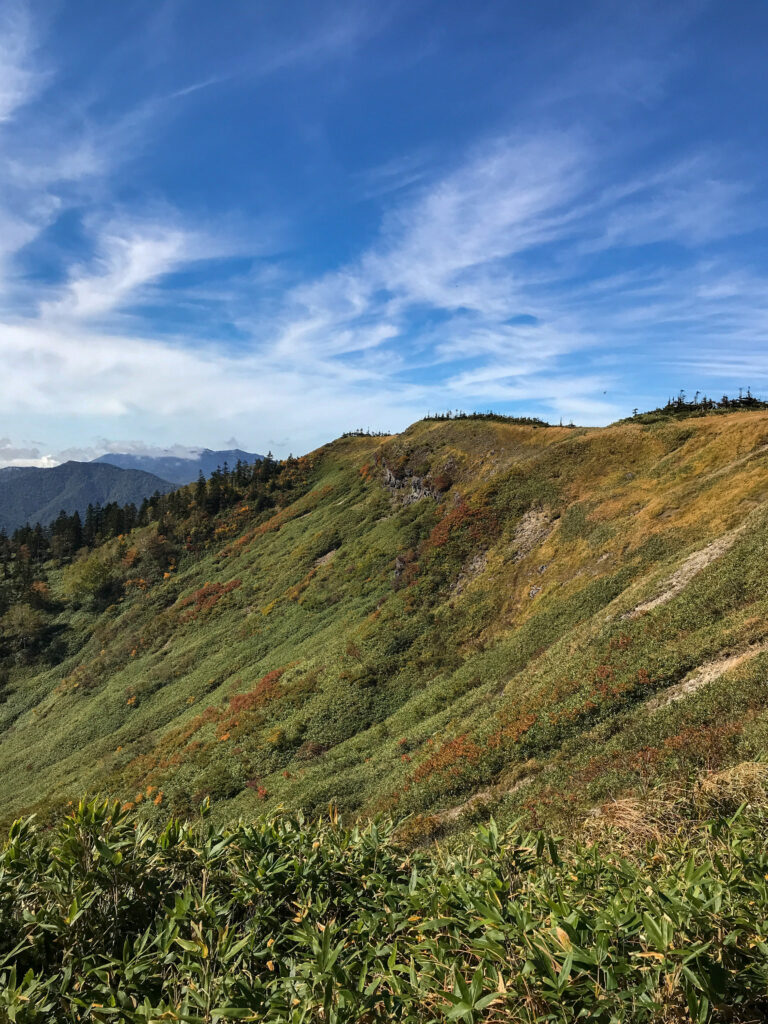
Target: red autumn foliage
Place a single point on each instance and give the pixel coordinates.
(604, 685)
(406, 569)
(450, 760)
(620, 643)
(241, 703)
(480, 523)
(260, 790)
(512, 729)
(206, 597)
(441, 482)
(705, 744)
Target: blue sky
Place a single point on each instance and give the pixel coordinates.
(275, 221)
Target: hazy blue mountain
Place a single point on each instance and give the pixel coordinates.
(180, 469)
(32, 495)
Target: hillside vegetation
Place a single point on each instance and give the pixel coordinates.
(109, 919)
(476, 615)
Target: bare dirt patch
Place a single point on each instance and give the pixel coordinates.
(691, 567)
(705, 674)
(327, 557)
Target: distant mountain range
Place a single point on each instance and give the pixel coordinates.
(180, 470)
(32, 495)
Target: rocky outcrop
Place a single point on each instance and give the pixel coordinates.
(532, 530)
(409, 487)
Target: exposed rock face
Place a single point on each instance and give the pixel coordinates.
(534, 527)
(474, 567)
(327, 557)
(409, 487)
(400, 564)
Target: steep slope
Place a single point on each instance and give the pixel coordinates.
(471, 614)
(180, 470)
(29, 494)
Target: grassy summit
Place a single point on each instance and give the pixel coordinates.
(475, 614)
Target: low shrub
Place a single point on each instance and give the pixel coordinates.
(106, 918)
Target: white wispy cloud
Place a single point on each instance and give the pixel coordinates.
(128, 256)
(24, 454)
(469, 248)
(458, 250)
(393, 175)
(19, 76)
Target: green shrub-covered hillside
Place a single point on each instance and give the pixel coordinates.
(106, 918)
(476, 616)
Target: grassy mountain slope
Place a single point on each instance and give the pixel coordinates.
(32, 495)
(472, 614)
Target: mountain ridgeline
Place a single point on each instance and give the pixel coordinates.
(29, 495)
(475, 614)
(178, 469)
(32, 495)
